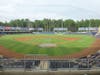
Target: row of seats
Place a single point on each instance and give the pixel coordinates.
(87, 62)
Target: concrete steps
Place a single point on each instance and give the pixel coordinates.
(97, 35)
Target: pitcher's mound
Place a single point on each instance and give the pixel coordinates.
(47, 45)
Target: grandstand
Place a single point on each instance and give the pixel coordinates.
(91, 62)
(12, 30)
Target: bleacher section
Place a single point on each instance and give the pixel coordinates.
(83, 63)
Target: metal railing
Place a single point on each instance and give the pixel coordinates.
(52, 65)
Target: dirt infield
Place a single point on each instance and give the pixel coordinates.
(90, 50)
(30, 38)
(71, 39)
(23, 38)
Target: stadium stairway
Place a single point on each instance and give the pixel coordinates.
(97, 35)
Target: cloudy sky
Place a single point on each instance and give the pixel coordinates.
(53, 9)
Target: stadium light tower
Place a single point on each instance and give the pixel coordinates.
(89, 26)
(62, 25)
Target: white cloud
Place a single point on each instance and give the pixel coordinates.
(39, 9)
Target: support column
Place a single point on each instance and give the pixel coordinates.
(44, 65)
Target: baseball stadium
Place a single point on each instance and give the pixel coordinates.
(42, 51)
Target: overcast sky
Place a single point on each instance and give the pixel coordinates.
(53, 9)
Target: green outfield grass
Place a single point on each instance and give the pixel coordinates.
(30, 43)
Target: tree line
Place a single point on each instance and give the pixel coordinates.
(50, 24)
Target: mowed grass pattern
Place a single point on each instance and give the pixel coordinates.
(31, 45)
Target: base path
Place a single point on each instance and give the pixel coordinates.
(90, 50)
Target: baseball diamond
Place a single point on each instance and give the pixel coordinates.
(52, 45)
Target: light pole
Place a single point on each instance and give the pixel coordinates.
(89, 26)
